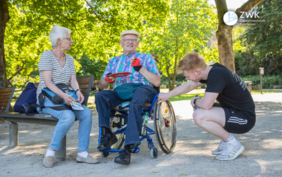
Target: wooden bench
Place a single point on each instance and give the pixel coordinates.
(276, 86)
(14, 118)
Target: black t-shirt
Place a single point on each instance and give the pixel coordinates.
(233, 92)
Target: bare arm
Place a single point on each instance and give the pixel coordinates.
(206, 102)
(103, 84)
(74, 85)
(73, 82)
(151, 77)
(184, 88)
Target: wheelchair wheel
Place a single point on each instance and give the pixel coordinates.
(117, 122)
(154, 153)
(165, 126)
(105, 154)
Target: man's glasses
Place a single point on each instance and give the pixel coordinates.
(128, 39)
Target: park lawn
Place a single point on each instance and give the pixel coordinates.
(186, 96)
(189, 96)
(176, 98)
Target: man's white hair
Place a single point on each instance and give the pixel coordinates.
(58, 32)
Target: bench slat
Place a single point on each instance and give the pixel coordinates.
(5, 93)
(4, 90)
(83, 80)
(4, 100)
(4, 97)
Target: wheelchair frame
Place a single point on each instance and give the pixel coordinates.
(122, 129)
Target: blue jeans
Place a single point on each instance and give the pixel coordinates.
(106, 99)
(66, 120)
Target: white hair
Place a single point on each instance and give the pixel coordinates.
(58, 32)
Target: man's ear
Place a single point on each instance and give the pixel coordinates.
(198, 71)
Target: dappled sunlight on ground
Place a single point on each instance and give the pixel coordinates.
(191, 156)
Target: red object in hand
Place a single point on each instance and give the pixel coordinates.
(108, 79)
(136, 64)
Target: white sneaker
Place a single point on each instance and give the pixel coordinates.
(219, 148)
(231, 152)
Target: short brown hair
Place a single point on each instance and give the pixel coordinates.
(191, 60)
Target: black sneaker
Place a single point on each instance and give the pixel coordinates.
(123, 158)
(107, 141)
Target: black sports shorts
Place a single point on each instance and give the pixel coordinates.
(238, 121)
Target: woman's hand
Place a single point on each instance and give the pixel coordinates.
(163, 97)
(80, 96)
(68, 99)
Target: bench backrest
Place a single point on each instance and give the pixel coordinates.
(6, 95)
(85, 84)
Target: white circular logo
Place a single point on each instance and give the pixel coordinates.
(230, 18)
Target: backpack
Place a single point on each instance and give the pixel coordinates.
(27, 98)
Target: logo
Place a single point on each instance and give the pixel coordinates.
(230, 18)
(249, 18)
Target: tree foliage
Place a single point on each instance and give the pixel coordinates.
(189, 26)
(262, 42)
(95, 26)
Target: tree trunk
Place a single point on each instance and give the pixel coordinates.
(224, 37)
(224, 32)
(4, 18)
(175, 63)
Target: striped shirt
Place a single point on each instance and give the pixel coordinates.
(122, 64)
(48, 62)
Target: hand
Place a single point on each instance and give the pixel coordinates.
(80, 96)
(110, 79)
(136, 64)
(68, 99)
(162, 97)
(192, 101)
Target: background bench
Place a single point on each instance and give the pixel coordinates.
(14, 118)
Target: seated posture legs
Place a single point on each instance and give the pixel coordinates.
(104, 101)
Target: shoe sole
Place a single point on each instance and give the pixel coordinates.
(109, 146)
(236, 155)
(86, 162)
(216, 153)
(122, 163)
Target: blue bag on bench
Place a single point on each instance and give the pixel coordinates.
(27, 97)
(56, 99)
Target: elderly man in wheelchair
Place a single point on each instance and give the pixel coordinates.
(135, 77)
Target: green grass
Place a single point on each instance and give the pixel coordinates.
(265, 91)
(185, 97)
(176, 98)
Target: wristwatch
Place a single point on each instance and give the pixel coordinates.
(77, 90)
(195, 101)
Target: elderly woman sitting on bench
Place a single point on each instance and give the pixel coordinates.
(56, 67)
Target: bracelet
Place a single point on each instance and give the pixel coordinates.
(77, 90)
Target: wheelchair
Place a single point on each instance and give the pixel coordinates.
(164, 127)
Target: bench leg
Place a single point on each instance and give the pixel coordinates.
(61, 153)
(13, 134)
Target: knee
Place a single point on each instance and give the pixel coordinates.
(198, 117)
(87, 114)
(68, 117)
(98, 95)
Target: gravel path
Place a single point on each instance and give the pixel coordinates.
(191, 157)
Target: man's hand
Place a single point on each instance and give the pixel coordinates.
(163, 97)
(136, 64)
(192, 101)
(110, 79)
